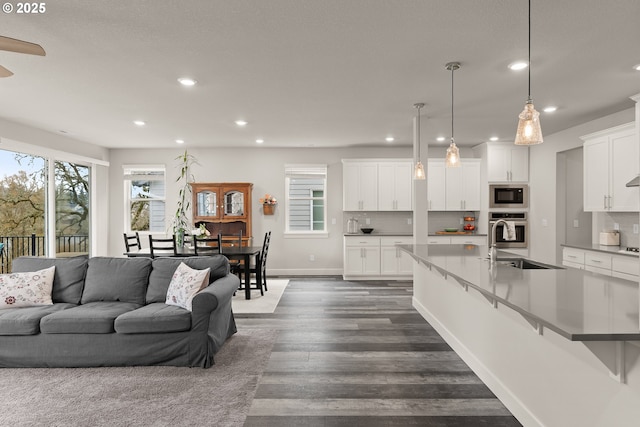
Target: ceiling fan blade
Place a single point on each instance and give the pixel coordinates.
(19, 46)
(4, 72)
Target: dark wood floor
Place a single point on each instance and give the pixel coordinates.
(358, 354)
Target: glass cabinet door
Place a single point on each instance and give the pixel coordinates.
(207, 203)
(234, 203)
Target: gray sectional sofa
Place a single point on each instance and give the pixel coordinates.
(112, 312)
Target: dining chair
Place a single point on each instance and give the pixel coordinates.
(259, 269)
(207, 245)
(163, 246)
(131, 241)
(234, 264)
(1, 249)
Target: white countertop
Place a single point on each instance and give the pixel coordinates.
(577, 304)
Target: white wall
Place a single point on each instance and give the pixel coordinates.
(264, 167)
(545, 240)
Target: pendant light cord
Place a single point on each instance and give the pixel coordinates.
(529, 99)
(418, 106)
(452, 70)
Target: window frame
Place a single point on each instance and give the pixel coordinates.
(128, 200)
(308, 171)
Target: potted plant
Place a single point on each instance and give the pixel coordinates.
(268, 203)
(180, 221)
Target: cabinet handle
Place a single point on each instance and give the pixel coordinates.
(609, 202)
(571, 256)
(605, 202)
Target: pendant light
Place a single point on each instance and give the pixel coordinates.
(529, 131)
(418, 172)
(452, 160)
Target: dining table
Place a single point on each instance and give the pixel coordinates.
(242, 253)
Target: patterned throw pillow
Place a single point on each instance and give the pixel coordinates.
(185, 284)
(26, 289)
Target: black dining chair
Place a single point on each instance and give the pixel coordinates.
(259, 269)
(207, 245)
(162, 246)
(234, 240)
(131, 242)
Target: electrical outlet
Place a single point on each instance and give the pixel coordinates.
(616, 226)
(635, 228)
(333, 221)
(461, 221)
(576, 224)
(367, 221)
(545, 222)
(409, 221)
(312, 257)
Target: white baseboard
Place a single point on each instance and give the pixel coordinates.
(517, 408)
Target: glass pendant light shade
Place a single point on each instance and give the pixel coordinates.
(529, 131)
(418, 171)
(452, 159)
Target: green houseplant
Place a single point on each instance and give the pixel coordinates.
(180, 221)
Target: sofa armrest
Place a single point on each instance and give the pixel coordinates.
(217, 293)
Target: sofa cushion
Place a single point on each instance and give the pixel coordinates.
(26, 321)
(68, 280)
(163, 269)
(154, 318)
(116, 279)
(27, 289)
(90, 318)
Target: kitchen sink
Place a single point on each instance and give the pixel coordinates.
(526, 264)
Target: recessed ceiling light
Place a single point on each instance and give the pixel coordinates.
(179, 141)
(440, 139)
(550, 109)
(493, 138)
(186, 81)
(518, 65)
(389, 139)
(241, 122)
(636, 67)
(139, 123)
(259, 141)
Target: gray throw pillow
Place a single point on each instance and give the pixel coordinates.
(116, 279)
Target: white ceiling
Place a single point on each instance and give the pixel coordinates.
(322, 73)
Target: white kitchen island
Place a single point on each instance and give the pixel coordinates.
(557, 346)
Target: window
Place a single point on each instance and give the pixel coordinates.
(306, 199)
(144, 198)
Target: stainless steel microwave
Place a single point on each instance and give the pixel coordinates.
(508, 196)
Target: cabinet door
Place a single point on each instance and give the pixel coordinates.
(369, 186)
(596, 174)
(351, 187)
(471, 185)
(624, 166)
(234, 203)
(519, 164)
(371, 261)
(454, 197)
(436, 184)
(403, 186)
(405, 263)
(439, 240)
(388, 260)
(206, 206)
(386, 186)
(352, 260)
(498, 163)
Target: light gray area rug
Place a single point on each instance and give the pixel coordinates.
(266, 303)
(140, 396)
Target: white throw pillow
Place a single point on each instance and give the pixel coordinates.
(26, 289)
(185, 284)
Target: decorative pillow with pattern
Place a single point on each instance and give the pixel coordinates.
(26, 289)
(185, 284)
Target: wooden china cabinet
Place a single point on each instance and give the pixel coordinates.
(224, 207)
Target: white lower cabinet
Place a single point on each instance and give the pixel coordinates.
(621, 266)
(458, 240)
(393, 261)
(376, 257)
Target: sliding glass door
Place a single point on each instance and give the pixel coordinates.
(72, 209)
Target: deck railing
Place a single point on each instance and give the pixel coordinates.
(17, 246)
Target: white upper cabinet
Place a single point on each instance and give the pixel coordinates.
(377, 184)
(360, 186)
(395, 186)
(463, 186)
(453, 189)
(436, 185)
(507, 163)
(610, 161)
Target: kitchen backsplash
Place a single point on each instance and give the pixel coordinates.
(625, 220)
(381, 222)
(438, 221)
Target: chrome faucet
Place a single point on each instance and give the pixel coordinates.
(493, 251)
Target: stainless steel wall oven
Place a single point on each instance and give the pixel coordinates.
(520, 223)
